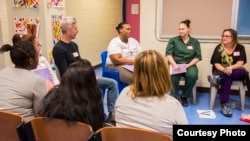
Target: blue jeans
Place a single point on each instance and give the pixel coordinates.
(112, 93)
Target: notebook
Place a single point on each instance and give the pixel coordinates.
(44, 72)
(129, 67)
(182, 69)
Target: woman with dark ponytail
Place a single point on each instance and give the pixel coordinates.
(21, 90)
(184, 49)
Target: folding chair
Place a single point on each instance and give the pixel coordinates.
(45, 129)
(239, 84)
(114, 74)
(127, 134)
(8, 124)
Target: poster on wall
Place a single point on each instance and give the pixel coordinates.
(56, 31)
(27, 25)
(26, 3)
(55, 3)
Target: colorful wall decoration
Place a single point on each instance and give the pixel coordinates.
(26, 3)
(55, 3)
(29, 25)
(56, 31)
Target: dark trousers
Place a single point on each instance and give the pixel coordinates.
(226, 83)
(190, 76)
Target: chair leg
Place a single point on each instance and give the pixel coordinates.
(213, 92)
(209, 97)
(194, 90)
(242, 96)
(194, 94)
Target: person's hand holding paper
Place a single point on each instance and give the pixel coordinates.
(179, 68)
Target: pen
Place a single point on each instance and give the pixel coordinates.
(205, 113)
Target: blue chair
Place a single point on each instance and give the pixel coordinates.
(114, 74)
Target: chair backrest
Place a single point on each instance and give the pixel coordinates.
(45, 129)
(129, 134)
(104, 55)
(110, 73)
(8, 124)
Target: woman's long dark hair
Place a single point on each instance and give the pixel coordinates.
(77, 98)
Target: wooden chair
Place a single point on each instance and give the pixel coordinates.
(45, 129)
(8, 123)
(128, 134)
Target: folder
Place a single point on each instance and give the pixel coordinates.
(181, 70)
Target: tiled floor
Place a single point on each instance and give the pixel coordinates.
(203, 104)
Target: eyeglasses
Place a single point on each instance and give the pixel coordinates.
(226, 36)
(39, 45)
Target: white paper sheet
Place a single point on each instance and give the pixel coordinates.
(206, 114)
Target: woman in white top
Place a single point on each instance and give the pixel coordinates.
(121, 51)
(147, 103)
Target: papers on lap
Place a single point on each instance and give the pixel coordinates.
(182, 69)
(44, 72)
(129, 67)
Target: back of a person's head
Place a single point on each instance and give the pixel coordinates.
(78, 97)
(28, 37)
(23, 37)
(80, 75)
(20, 53)
(66, 23)
(16, 38)
(151, 74)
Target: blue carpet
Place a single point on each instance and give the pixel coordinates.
(203, 103)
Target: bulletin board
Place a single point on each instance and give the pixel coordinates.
(208, 18)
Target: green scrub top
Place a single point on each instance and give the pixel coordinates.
(181, 52)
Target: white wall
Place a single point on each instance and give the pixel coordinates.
(148, 40)
(97, 20)
(4, 33)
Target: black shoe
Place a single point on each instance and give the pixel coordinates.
(184, 101)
